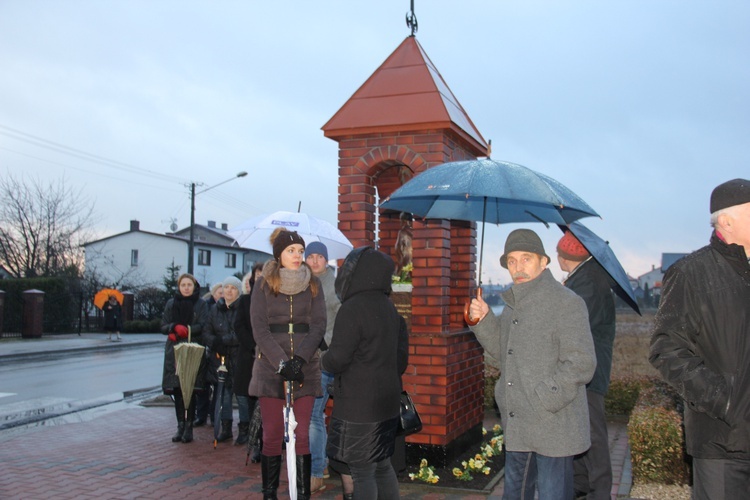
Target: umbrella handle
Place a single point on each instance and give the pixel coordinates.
(469, 320)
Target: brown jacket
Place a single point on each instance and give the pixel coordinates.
(273, 348)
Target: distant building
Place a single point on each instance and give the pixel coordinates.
(137, 258)
(652, 280)
(491, 293)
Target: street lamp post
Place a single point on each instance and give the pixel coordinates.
(191, 245)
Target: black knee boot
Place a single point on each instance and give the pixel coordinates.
(270, 468)
(187, 435)
(179, 409)
(304, 466)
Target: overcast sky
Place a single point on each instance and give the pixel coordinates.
(639, 106)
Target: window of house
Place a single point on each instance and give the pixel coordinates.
(230, 260)
(134, 257)
(204, 257)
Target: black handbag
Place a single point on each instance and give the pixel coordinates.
(409, 421)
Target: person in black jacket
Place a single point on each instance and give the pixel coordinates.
(701, 346)
(112, 317)
(184, 316)
(593, 469)
(243, 368)
(369, 343)
(220, 335)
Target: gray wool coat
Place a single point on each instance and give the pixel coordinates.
(543, 343)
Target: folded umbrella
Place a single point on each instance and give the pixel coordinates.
(290, 424)
(221, 375)
(188, 357)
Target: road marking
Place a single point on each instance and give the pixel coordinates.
(6, 394)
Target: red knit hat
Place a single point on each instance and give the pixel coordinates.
(570, 248)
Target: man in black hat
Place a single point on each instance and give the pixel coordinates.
(701, 346)
(546, 354)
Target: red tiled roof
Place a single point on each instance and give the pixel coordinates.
(406, 92)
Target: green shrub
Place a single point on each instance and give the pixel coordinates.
(489, 390)
(142, 326)
(623, 394)
(657, 448)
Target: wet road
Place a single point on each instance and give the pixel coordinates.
(60, 383)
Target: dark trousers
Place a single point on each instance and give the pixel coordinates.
(375, 480)
(719, 479)
(592, 470)
(204, 402)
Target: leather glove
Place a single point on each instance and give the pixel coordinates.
(172, 337)
(181, 331)
(291, 370)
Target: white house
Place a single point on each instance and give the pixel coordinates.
(137, 258)
(654, 277)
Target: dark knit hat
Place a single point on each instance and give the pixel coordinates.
(570, 248)
(283, 240)
(522, 240)
(729, 194)
(316, 247)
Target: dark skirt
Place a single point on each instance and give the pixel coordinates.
(361, 443)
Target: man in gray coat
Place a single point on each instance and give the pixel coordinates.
(543, 343)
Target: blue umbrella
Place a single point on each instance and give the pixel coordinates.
(603, 254)
(489, 191)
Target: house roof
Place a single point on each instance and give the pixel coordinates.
(175, 236)
(406, 92)
(160, 235)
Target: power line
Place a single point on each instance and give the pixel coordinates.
(217, 196)
(81, 169)
(78, 153)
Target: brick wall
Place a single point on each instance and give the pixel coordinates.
(446, 371)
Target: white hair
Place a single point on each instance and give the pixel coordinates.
(731, 211)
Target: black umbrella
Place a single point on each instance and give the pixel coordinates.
(603, 254)
(221, 374)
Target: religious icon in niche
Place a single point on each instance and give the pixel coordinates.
(404, 250)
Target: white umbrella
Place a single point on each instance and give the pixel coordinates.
(290, 423)
(254, 232)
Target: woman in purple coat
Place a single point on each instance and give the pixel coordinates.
(288, 316)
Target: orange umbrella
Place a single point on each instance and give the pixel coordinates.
(103, 295)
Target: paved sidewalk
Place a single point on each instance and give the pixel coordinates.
(125, 451)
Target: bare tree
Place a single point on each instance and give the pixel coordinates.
(42, 227)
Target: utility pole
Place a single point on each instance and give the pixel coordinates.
(191, 245)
